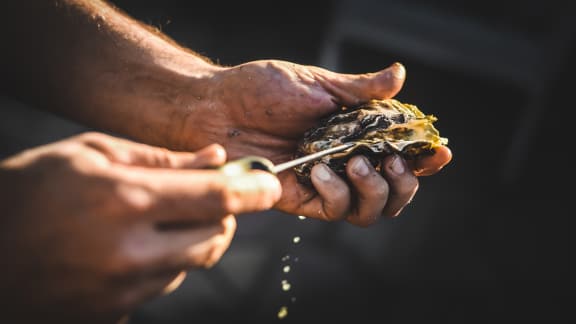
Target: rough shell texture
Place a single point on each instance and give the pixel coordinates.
(378, 128)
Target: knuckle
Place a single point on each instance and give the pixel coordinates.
(91, 137)
(165, 158)
(380, 190)
(340, 197)
(336, 207)
(408, 186)
(105, 200)
(334, 214)
(132, 198)
(227, 200)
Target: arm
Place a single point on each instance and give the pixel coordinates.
(88, 61)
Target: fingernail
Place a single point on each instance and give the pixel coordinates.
(322, 173)
(397, 165)
(271, 185)
(255, 183)
(360, 166)
(398, 71)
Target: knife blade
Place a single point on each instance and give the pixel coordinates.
(251, 162)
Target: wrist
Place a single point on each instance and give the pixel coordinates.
(184, 103)
(146, 93)
(169, 98)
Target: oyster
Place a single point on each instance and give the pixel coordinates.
(378, 128)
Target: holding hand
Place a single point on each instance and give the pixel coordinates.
(264, 108)
(102, 68)
(94, 225)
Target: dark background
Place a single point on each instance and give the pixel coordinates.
(488, 238)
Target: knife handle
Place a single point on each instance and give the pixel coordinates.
(247, 163)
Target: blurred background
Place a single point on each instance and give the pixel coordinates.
(486, 239)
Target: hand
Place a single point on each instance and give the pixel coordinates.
(95, 225)
(143, 85)
(264, 108)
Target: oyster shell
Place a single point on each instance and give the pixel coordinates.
(378, 128)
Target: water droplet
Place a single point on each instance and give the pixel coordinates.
(296, 239)
(285, 258)
(286, 269)
(301, 217)
(285, 285)
(283, 312)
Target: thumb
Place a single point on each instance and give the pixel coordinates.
(148, 156)
(354, 89)
(127, 152)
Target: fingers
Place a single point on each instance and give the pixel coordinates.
(371, 191)
(403, 185)
(335, 202)
(199, 247)
(135, 154)
(164, 183)
(370, 196)
(367, 197)
(353, 89)
(198, 195)
(376, 195)
(148, 287)
(154, 262)
(432, 164)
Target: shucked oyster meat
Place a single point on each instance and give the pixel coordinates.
(378, 128)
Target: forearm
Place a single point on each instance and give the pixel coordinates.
(88, 61)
